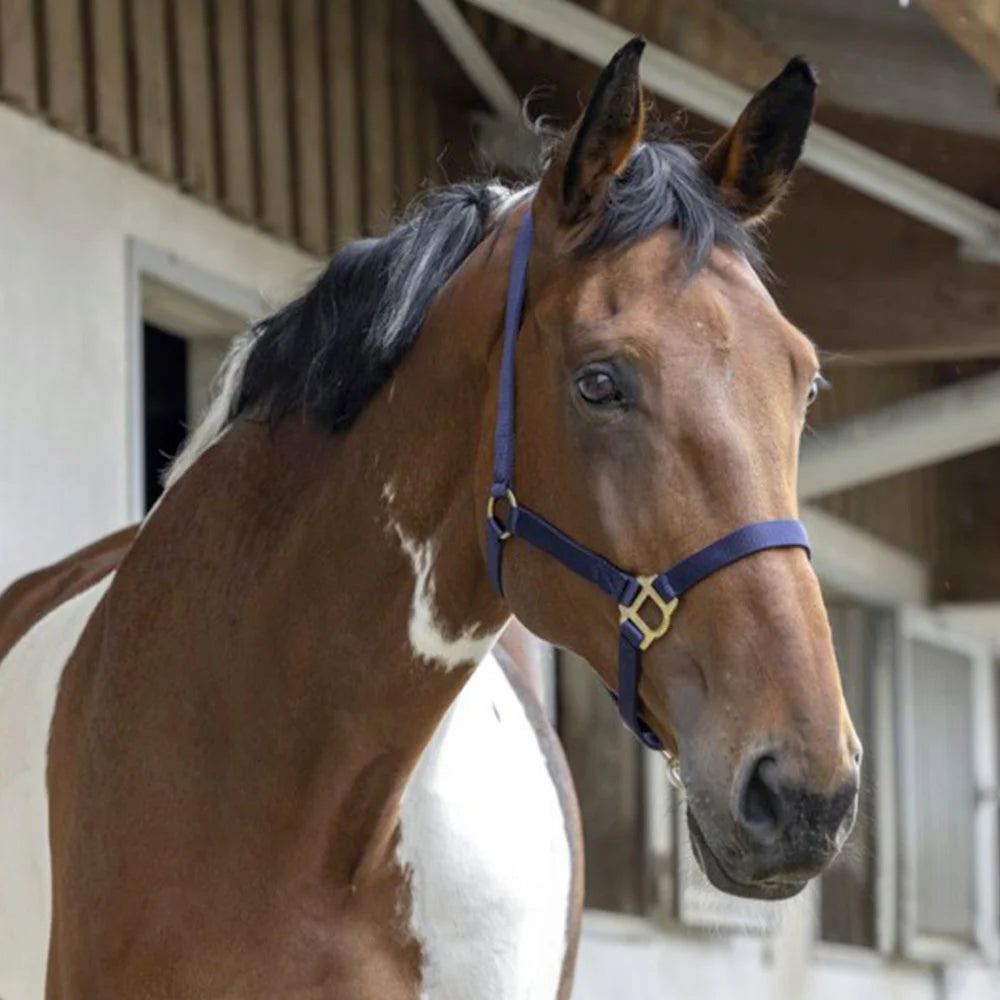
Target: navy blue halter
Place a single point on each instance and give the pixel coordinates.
(656, 595)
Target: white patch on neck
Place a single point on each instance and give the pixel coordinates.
(483, 841)
(428, 638)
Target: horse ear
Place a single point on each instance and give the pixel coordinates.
(599, 144)
(753, 161)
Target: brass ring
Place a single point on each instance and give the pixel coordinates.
(504, 534)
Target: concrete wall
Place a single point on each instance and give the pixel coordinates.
(67, 213)
(628, 959)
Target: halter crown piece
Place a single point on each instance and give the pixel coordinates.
(639, 597)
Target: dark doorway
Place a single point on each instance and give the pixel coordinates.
(165, 385)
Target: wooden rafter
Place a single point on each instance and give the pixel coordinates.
(916, 432)
(974, 25)
(701, 31)
(472, 56)
(591, 37)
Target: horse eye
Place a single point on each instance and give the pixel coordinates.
(598, 388)
(818, 385)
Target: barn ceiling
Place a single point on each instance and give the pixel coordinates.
(882, 57)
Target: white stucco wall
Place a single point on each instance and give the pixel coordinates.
(66, 215)
(627, 959)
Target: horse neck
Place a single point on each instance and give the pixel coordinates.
(347, 598)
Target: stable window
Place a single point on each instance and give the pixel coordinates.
(948, 816)
(677, 889)
(183, 320)
(607, 765)
(165, 409)
(177, 376)
(848, 912)
(919, 874)
(851, 892)
(700, 904)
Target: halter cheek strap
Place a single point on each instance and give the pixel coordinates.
(646, 604)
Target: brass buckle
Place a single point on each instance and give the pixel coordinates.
(504, 534)
(630, 612)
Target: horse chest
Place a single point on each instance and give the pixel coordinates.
(484, 838)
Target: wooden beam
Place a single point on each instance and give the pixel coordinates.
(703, 32)
(274, 133)
(879, 285)
(154, 89)
(593, 38)
(926, 429)
(20, 79)
(406, 86)
(67, 65)
(472, 56)
(855, 563)
(904, 510)
(869, 284)
(377, 113)
(974, 25)
(311, 119)
(237, 121)
(431, 144)
(114, 124)
(197, 140)
(345, 125)
(980, 617)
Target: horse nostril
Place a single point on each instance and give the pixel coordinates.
(762, 812)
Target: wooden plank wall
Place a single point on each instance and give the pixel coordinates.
(903, 510)
(315, 120)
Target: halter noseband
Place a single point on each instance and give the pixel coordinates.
(658, 594)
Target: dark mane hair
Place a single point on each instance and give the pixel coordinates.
(328, 352)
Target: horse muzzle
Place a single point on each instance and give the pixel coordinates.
(778, 835)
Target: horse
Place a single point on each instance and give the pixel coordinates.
(522, 754)
(234, 731)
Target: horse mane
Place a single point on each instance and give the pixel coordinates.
(328, 352)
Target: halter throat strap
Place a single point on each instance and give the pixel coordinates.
(646, 604)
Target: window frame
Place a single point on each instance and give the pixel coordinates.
(678, 895)
(916, 624)
(171, 292)
(875, 635)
